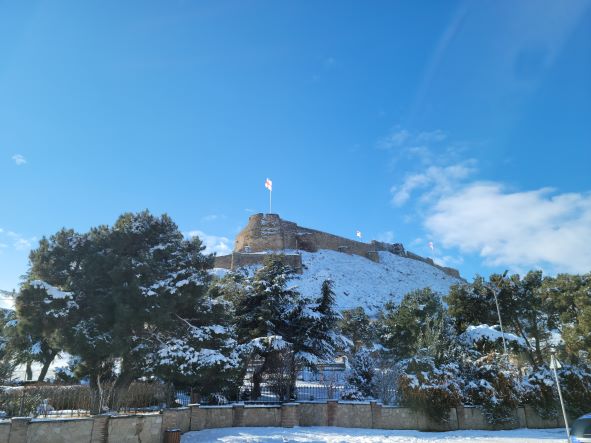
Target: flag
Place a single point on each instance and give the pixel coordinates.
(431, 245)
(358, 234)
(269, 184)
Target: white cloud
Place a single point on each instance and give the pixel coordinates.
(537, 228)
(213, 243)
(438, 180)
(19, 159)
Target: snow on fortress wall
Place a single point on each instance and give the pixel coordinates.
(268, 232)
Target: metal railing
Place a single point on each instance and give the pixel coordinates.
(55, 400)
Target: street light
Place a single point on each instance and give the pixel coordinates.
(496, 290)
(554, 365)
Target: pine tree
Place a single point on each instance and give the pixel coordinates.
(7, 353)
(356, 325)
(361, 377)
(321, 337)
(279, 326)
(409, 327)
(117, 294)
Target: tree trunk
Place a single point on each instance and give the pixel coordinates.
(529, 353)
(120, 388)
(46, 363)
(293, 375)
(29, 372)
(96, 402)
(257, 379)
(536, 335)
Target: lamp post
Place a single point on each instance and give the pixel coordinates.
(496, 290)
(554, 365)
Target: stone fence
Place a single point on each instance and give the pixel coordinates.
(150, 428)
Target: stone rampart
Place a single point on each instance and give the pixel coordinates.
(240, 259)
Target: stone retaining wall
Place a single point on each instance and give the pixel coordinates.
(145, 428)
(356, 415)
(150, 428)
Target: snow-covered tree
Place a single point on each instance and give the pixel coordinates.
(356, 325)
(274, 320)
(425, 386)
(567, 299)
(117, 293)
(361, 379)
(7, 354)
(417, 325)
(201, 351)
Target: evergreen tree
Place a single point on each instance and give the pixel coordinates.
(522, 310)
(567, 299)
(356, 325)
(117, 293)
(411, 326)
(279, 326)
(471, 304)
(320, 336)
(361, 378)
(7, 355)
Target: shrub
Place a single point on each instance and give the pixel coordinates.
(424, 387)
(575, 383)
(540, 393)
(495, 389)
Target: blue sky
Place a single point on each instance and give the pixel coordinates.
(462, 123)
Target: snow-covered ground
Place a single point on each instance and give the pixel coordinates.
(351, 435)
(359, 281)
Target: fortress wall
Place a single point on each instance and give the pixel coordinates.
(449, 271)
(238, 260)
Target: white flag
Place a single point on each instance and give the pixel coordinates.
(430, 245)
(358, 234)
(269, 184)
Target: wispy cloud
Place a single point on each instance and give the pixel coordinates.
(213, 243)
(433, 181)
(400, 138)
(213, 217)
(18, 241)
(19, 159)
(387, 237)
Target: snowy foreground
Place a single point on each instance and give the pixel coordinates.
(351, 435)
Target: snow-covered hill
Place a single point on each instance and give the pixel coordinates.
(359, 281)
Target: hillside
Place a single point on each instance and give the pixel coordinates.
(362, 282)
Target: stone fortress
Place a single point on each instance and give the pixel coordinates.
(268, 233)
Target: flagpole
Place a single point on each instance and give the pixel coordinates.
(270, 207)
